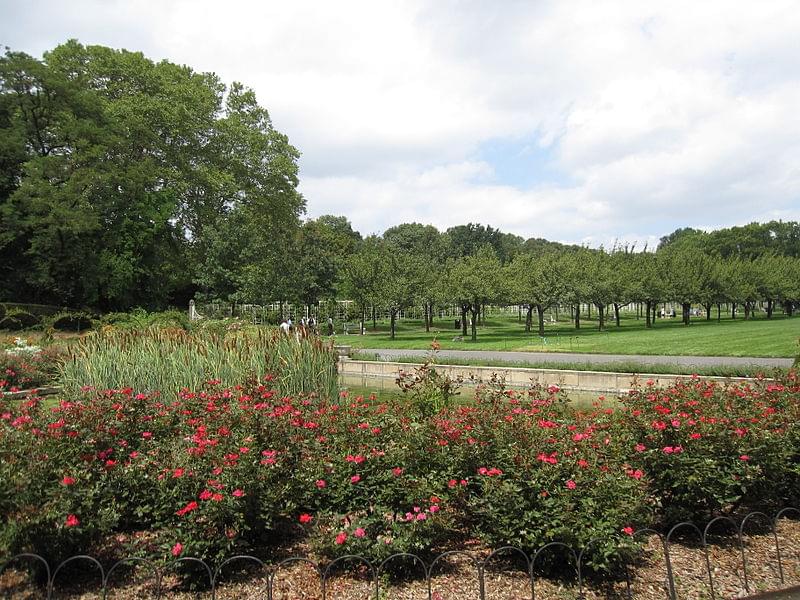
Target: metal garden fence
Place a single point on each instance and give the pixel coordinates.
(325, 572)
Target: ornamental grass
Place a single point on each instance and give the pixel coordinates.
(168, 360)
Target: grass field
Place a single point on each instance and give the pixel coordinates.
(776, 337)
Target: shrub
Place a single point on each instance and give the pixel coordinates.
(217, 471)
(26, 367)
(139, 318)
(710, 449)
(17, 320)
(429, 391)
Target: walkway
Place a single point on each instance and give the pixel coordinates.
(565, 357)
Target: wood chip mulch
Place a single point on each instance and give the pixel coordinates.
(456, 577)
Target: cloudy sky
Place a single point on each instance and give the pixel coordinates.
(584, 121)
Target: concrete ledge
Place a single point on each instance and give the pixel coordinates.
(589, 381)
(42, 391)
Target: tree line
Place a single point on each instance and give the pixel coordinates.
(126, 182)
(412, 266)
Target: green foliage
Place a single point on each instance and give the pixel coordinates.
(429, 391)
(17, 320)
(169, 360)
(216, 471)
(124, 178)
(71, 321)
(24, 367)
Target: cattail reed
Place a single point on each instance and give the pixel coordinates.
(168, 360)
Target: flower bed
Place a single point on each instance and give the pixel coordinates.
(219, 471)
(23, 366)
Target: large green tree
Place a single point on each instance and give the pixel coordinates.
(116, 167)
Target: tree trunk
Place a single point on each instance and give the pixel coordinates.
(589, 311)
(374, 321)
(393, 315)
(519, 313)
(616, 313)
(685, 306)
(733, 310)
(719, 312)
(600, 316)
(476, 310)
(540, 310)
(648, 322)
(708, 311)
(528, 318)
(425, 316)
(577, 316)
(788, 308)
(363, 320)
(655, 308)
(747, 310)
(464, 309)
(770, 304)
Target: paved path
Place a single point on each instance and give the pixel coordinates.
(565, 357)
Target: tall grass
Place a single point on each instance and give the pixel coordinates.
(168, 360)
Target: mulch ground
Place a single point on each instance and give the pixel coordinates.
(456, 576)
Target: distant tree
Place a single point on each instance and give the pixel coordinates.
(361, 276)
(466, 240)
(536, 281)
(578, 266)
(681, 237)
(428, 247)
(322, 248)
(647, 282)
(471, 282)
(397, 285)
(689, 271)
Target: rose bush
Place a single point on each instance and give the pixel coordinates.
(222, 470)
(709, 448)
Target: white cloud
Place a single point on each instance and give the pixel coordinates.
(656, 115)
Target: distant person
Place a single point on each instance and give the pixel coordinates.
(284, 327)
(330, 326)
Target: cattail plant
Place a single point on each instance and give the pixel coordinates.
(168, 360)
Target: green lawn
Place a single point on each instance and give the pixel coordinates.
(777, 337)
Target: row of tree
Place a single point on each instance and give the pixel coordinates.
(387, 275)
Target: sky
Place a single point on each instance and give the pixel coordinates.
(587, 122)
